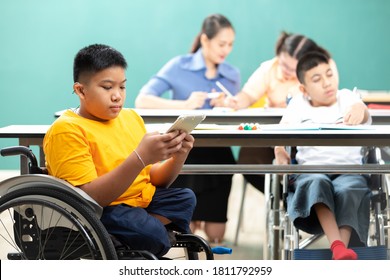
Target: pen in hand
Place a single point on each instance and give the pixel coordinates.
(340, 120)
(222, 87)
(354, 91)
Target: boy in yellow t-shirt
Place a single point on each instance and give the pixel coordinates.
(105, 150)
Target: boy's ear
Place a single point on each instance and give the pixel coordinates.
(78, 89)
(306, 95)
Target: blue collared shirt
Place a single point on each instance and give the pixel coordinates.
(185, 74)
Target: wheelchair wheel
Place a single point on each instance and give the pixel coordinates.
(42, 222)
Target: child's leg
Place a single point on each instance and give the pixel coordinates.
(162, 219)
(136, 228)
(175, 205)
(345, 233)
(328, 222)
(334, 234)
(352, 197)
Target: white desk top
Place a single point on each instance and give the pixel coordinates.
(23, 131)
(376, 135)
(228, 117)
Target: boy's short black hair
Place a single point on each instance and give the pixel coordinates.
(309, 61)
(95, 58)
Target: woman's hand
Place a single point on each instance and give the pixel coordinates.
(196, 100)
(218, 101)
(224, 101)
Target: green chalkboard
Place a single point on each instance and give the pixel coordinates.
(40, 38)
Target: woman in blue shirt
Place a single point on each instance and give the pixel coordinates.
(190, 78)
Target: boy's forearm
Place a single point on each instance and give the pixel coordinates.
(105, 189)
(163, 174)
(366, 115)
(365, 111)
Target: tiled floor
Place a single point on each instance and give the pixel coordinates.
(251, 233)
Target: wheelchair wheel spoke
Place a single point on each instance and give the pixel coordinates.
(7, 236)
(45, 222)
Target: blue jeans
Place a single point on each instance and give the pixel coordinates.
(138, 229)
(347, 196)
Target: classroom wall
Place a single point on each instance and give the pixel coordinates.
(40, 38)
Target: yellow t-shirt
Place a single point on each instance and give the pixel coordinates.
(79, 150)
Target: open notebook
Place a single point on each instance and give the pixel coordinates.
(314, 127)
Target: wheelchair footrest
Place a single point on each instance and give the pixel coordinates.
(195, 244)
(126, 254)
(364, 253)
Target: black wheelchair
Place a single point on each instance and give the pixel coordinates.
(42, 217)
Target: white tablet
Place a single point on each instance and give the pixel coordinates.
(186, 123)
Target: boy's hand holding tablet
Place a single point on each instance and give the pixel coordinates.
(186, 123)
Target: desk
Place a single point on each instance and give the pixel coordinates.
(217, 116)
(220, 116)
(27, 135)
(379, 136)
(259, 115)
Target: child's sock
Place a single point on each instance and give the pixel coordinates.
(340, 252)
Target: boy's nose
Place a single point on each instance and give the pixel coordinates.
(116, 96)
(327, 82)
